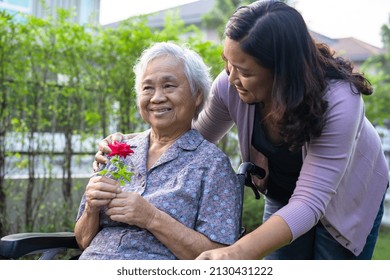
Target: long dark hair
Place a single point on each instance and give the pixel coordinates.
(276, 36)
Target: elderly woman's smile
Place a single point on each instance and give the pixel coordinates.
(161, 111)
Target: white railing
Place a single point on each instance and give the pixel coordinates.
(386, 214)
(384, 133)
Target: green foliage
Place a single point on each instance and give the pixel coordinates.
(221, 12)
(121, 172)
(219, 15)
(211, 54)
(378, 72)
(252, 215)
(59, 77)
(382, 251)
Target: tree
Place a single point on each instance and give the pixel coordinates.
(59, 80)
(221, 12)
(8, 52)
(219, 15)
(377, 105)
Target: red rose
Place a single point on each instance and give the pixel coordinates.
(121, 173)
(120, 149)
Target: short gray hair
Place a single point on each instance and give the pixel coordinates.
(196, 71)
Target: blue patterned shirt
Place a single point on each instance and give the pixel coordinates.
(193, 182)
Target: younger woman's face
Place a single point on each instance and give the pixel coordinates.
(252, 81)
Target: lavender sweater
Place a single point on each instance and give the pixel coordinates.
(344, 174)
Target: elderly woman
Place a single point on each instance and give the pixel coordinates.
(183, 197)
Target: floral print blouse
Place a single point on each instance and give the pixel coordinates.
(193, 181)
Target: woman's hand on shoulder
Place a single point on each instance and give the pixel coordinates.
(104, 149)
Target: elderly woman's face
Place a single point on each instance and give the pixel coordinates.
(165, 98)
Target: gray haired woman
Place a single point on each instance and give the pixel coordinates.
(183, 197)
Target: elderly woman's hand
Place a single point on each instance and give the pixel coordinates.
(131, 208)
(99, 192)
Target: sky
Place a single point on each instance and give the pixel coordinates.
(361, 19)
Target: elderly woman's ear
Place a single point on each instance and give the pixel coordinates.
(198, 103)
(199, 98)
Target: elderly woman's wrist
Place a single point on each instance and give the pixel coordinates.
(154, 221)
(91, 211)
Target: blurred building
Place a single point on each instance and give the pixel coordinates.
(355, 50)
(85, 11)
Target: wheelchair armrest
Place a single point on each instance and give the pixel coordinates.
(14, 246)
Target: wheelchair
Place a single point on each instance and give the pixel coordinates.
(48, 245)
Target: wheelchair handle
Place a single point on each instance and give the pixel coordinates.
(248, 168)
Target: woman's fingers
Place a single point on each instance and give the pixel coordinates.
(217, 254)
(100, 191)
(104, 149)
(95, 165)
(103, 187)
(103, 144)
(99, 159)
(131, 208)
(117, 137)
